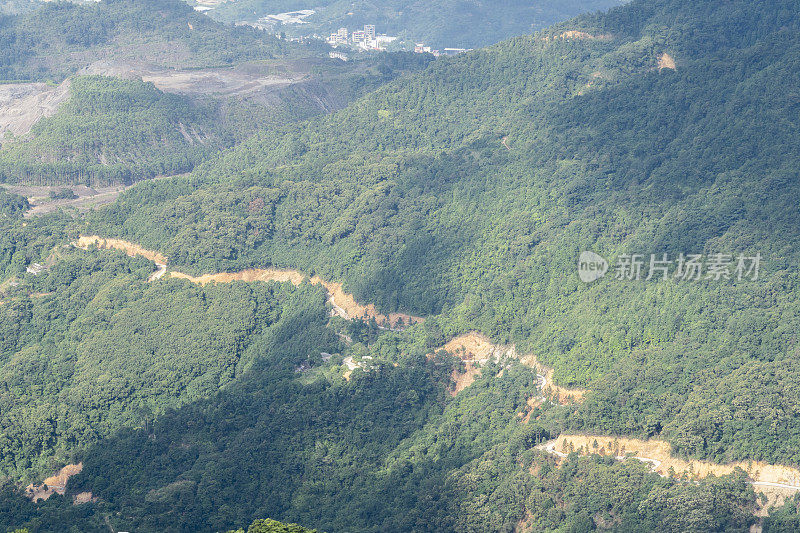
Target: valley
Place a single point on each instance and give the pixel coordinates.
(243, 277)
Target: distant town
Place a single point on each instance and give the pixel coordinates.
(368, 39)
(344, 40)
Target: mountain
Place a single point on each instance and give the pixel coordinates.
(101, 130)
(59, 38)
(177, 87)
(459, 24)
(466, 194)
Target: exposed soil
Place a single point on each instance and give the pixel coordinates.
(83, 497)
(243, 80)
(56, 484)
(556, 393)
(462, 380)
(23, 104)
(87, 197)
(476, 350)
(344, 304)
(117, 244)
(666, 61)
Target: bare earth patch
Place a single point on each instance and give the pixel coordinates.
(476, 350)
(558, 394)
(117, 244)
(23, 104)
(242, 80)
(666, 61)
(56, 484)
(83, 497)
(344, 304)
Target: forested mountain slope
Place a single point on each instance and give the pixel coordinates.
(465, 193)
(199, 408)
(471, 190)
(212, 86)
(59, 38)
(111, 130)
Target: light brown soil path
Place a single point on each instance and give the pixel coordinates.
(84, 242)
(774, 481)
(344, 304)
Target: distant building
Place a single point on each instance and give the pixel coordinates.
(456, 51)
(339, 37)
(384, 39)
(358, 36)
(369, 32)
(338, 55)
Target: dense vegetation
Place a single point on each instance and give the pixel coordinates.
(12, 205)
(188, 411)
(273, 526)
(96, 348)
(115, 131)
(423, 209)
(464, 193)
(451, 23)
(55, 40)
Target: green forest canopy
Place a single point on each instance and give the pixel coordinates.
(464, 193)
(423, 209)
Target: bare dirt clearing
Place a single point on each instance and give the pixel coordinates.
(476, 350)
(344, 304)
(87, 197)
(23, 104)
(242, 80)
(129, 248)
(56, 484)
(666, 61)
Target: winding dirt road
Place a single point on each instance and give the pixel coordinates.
(344, 304)
(776, 482)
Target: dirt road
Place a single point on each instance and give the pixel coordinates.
(776, 482)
